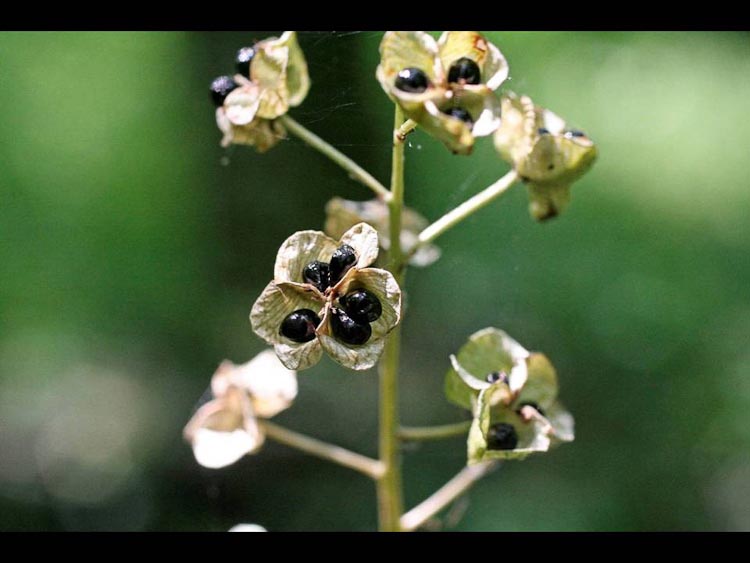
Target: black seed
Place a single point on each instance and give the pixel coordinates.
(502, 436)
(348, 330)
(495, 376)
(543, 131)
(243, 59)
(412, 80)
(464, 70)
(299, 326)
(362, 306)
(318, 274)
(220, 89)
(460, 113)
(532, 405)
(575, 134)
(342, 259)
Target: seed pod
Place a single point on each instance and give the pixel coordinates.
(464, 70)
(502, 436)
(300, 325)
(220, 89)
(343, 258)
(348, 330)
(362, 306)
(318, 274)
(412, 80)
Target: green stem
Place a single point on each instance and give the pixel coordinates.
(446, 494)
(467, 208)
(370, 467)
(355, 171)
(416, 433)
(390, 495)
(396, 203)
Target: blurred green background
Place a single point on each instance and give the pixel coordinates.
(132, 248)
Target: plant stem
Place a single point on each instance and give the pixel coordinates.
(396, 202)
(446, 494)
(390, 501)
(406, 127)
(370, 467)
(355, 171)
(415, 433)
(467, 208)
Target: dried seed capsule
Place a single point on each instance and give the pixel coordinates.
(532, 405)
(220, 89)
(348, 330)
(243, 59)
(299, 326)
(362, 306)
(342, 259)
(464, 70)
(460, 113)
(502, 436)
(412, 80)
(318, 274)
(495, 376)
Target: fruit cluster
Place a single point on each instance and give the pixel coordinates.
(223, 85)
(463, 71)
(351, 321)
(502, 435)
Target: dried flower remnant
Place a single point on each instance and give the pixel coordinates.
(225, 428)
(446, 86)
(324, 296)
(498, 432)
(512, 394)
(343, 214)
(547, 154)
(271, 77)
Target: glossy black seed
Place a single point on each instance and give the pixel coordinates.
(575, 134)
(299, 326)
(342, 259)
(220, 89)
(318, 274)
(412, 80)
(502, 436)
(460, 113)
(543, 131)
(465, 70)
(532, 405)
(243, 59)
(348, 330)
(362, 306)
(495, 376)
